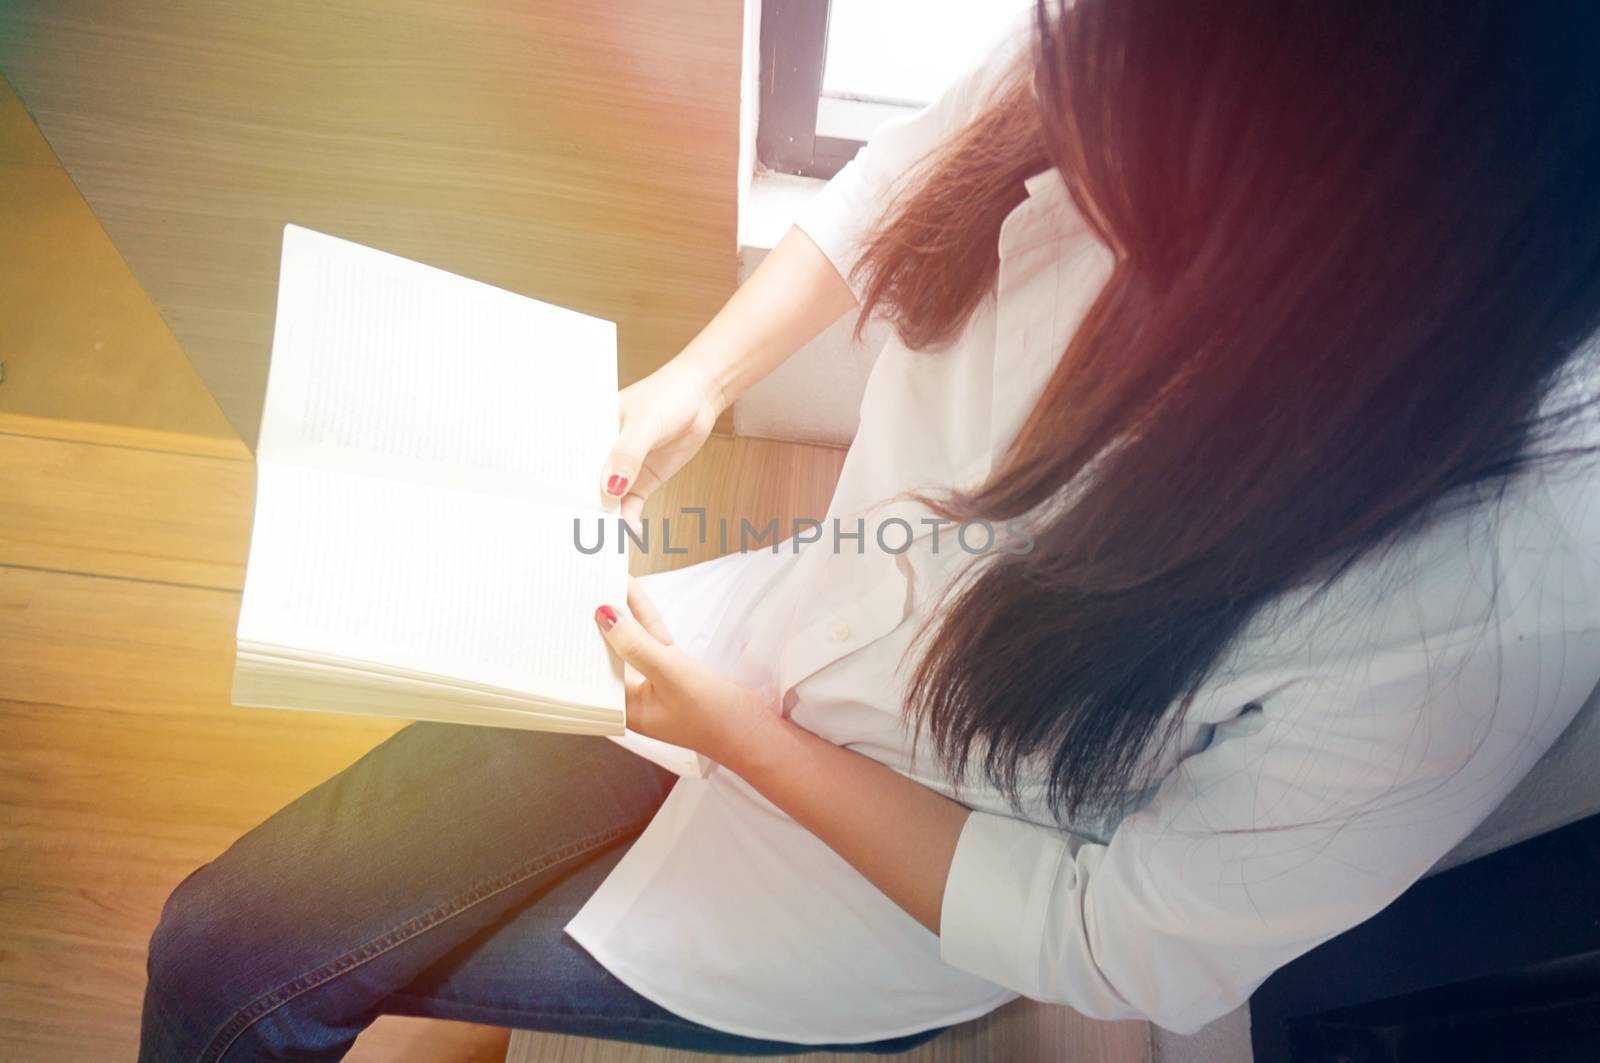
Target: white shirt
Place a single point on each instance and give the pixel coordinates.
(1335, 755)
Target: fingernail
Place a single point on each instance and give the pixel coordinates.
(617, 486)
(606, 617)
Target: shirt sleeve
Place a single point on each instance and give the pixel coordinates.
(1299, 820)
(841, 215)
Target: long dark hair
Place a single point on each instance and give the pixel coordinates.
(1355, 243)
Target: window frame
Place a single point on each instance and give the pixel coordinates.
(794, 44)
(792, 59)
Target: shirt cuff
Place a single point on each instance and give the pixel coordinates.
(996, 897)
(838, 219)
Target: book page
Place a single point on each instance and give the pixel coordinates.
(391, 368)
(412, 580)
(277, 685)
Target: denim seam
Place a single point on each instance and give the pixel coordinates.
(391, 939)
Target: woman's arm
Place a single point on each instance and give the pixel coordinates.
(798, 290)
(794, 294)
(664, 419)
(900, 835)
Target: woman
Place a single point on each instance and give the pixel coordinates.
(1262, 325)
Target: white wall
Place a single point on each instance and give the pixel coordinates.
(815, 396)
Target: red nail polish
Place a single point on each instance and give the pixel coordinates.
(607, 617)
(617, 486)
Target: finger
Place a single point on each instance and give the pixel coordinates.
(627, 456)
(633, 512)
(645, 611)
(637, 698)
(636, 646)
(632, 681)
(645, 710)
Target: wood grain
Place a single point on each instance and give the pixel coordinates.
(1020, 1032)
(120, 511)
(20, 139)
(730, 479)
(79, 339)
(126, 436)
(582, 154)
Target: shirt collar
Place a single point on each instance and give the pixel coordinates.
(1045, 184)
(1040, 218)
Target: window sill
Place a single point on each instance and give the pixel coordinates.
(857, 120)
(774, 201)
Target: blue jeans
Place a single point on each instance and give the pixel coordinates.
(432, 877)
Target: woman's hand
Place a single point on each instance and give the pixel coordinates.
(899, 834)
(663, 420)
(672, 696)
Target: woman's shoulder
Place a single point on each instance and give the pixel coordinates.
(1515, 560)
(1544, 526)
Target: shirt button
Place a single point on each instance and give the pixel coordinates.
(840, 632)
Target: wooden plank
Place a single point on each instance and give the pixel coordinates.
(115, 511)
(87, 642)
(47, 1018)
(735, 478)
(585, 156)
(121, 435)
(1022, 1030)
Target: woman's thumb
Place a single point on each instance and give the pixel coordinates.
(627, 456)
(649, 656)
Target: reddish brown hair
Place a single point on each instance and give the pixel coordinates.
(921, 272)
(1355, 245)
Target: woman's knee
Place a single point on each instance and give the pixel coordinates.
(198, 945)
(228, 944)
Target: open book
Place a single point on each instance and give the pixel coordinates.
(427, 445)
